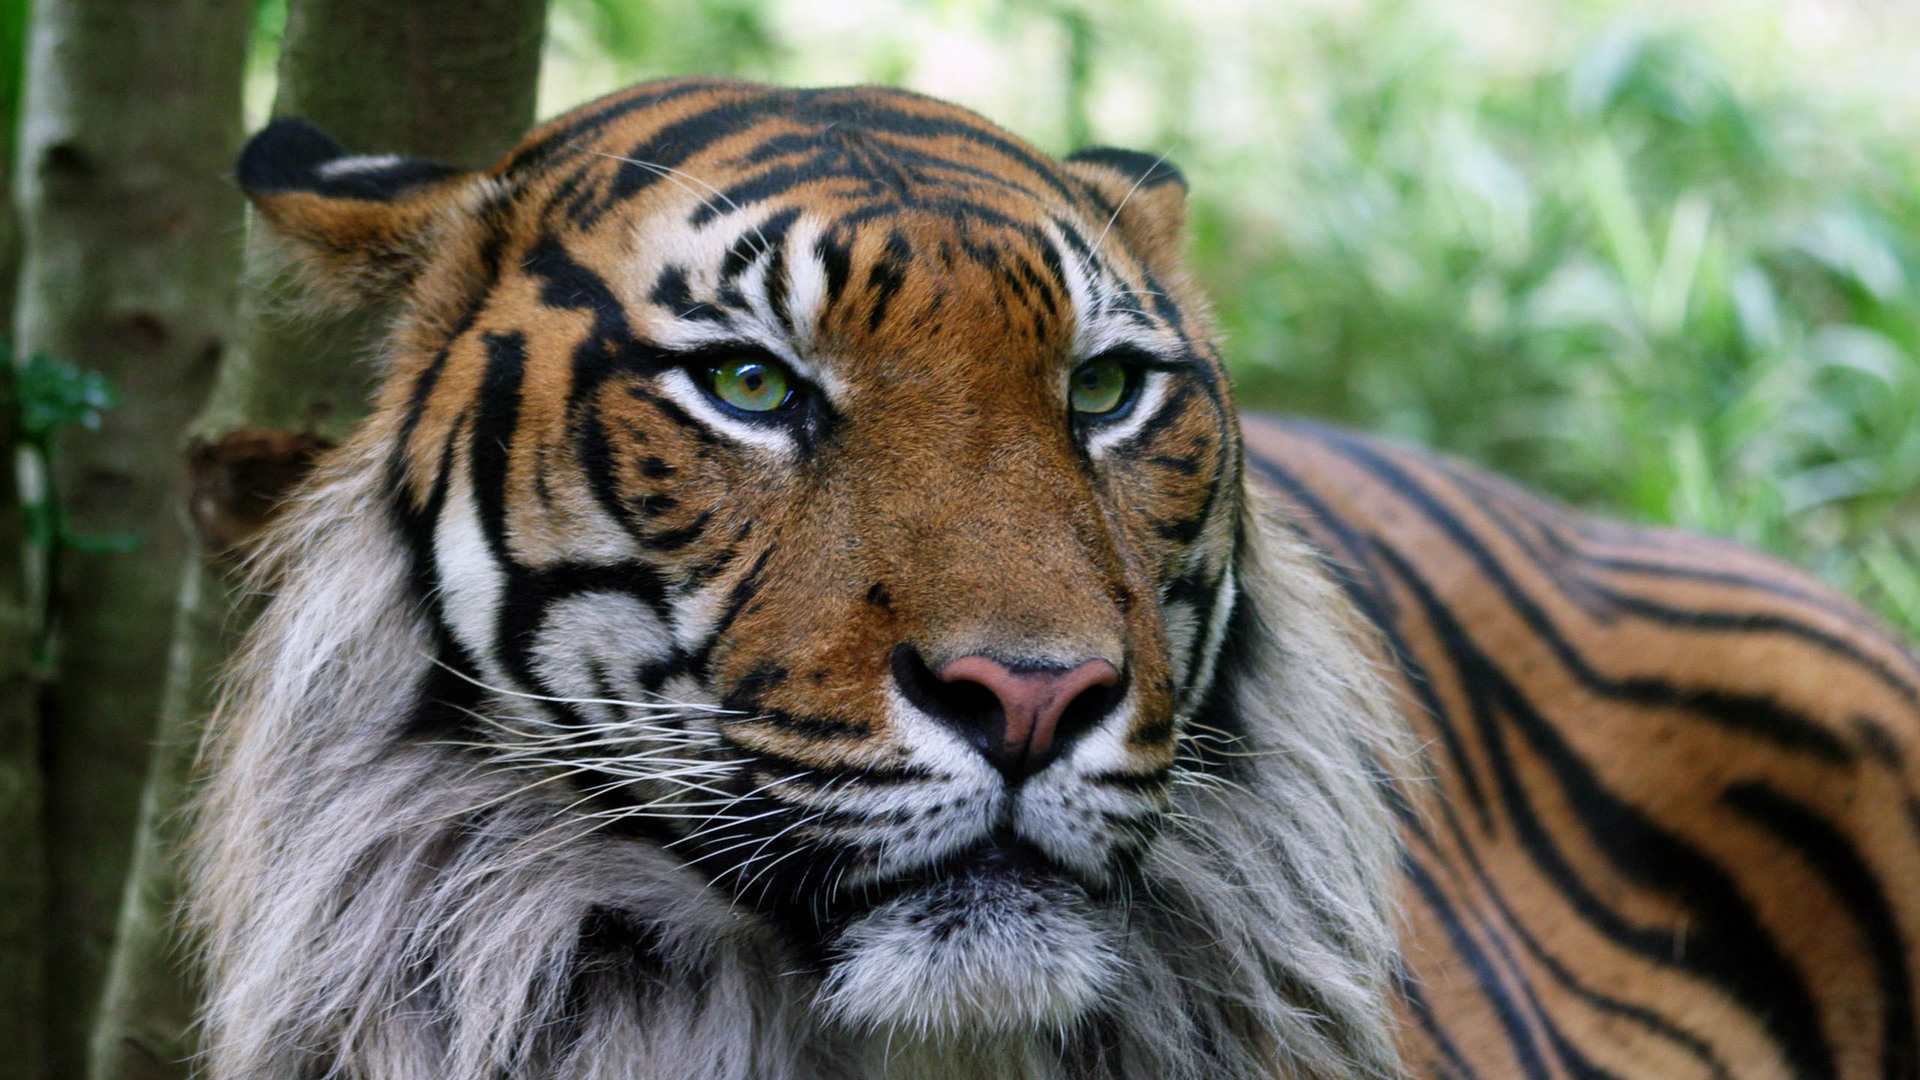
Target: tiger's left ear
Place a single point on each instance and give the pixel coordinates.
(1147, 197)
(361, 226)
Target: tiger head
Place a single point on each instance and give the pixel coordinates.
(832, 495)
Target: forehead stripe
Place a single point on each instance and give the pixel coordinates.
(793, 144)
(828, 162)
(676, 143)
(836, 258)
(565, 141)
(571, 286)
(887, 275)
(757, 241)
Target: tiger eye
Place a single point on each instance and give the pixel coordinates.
(1098, 387)
(750, 385)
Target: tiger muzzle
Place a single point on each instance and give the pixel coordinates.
(1020, 717)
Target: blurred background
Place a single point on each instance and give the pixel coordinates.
(1661, 260)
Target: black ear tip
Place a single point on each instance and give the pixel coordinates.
(1147, 170)
(293, 155)
(283, 156)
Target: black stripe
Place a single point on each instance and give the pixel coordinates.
(1179, 396)
(670, 291)
(1646, 1017)
(529, 594)
(773, 766)
(879, 173)
(571, 286)
(1150, 782)
(756, 242)
(777, 287)
(1526, 1050)
(1498, 501)
(1576, 1063)
(607, 350)
(496, 414)
(1454, 1065)
(674, 144)
(886, 275)
(589, 121)
(835, 252)
(1751, 715)
(738, 597)
(1840, 865)
(1353, 566)
(1743, 622)
(1730, 948)
(526, 593)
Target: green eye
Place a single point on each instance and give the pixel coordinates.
(1098, 387)
(751, 385)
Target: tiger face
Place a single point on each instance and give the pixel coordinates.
(822, 485)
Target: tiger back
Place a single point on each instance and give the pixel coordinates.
(1673, 830)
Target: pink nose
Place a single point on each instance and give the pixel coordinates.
(1041, 706)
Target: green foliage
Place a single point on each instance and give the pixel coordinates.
(1623, 280)
(50, 396)
(672, 37)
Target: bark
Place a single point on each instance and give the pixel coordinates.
(131, 116)
(144, 1030)
(414, 77)
(23, 885)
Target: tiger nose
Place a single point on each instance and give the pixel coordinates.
(1019, 718)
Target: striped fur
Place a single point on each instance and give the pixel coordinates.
(1674, 830)
(593, 730)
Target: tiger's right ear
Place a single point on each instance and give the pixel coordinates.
(361, 226)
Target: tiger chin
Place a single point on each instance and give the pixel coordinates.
(795, 610)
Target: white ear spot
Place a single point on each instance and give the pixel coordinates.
(359, 163)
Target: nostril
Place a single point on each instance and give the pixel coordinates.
(970, 709)
(1019, 718)
(1099, 689)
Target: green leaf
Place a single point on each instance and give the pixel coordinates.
(52, 395)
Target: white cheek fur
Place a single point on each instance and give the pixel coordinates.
(470, 581)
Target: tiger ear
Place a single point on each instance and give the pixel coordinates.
(1146, 196)
(361, 226)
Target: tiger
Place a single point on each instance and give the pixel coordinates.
(804, 603)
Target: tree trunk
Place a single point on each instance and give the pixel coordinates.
(417, 77)
(131, 118)
(23, 846)
(145, 1025)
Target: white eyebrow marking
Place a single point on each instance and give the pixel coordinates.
(670, 173)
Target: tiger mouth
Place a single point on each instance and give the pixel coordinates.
(1001, 861)
(1001, 854)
